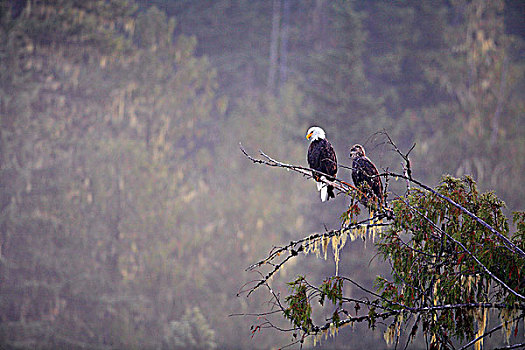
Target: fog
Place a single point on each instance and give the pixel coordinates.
(128, 213)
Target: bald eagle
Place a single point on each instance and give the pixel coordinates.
(321, 157)
(365, 176)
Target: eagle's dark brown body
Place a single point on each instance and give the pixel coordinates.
(321, 157)
(365, 175)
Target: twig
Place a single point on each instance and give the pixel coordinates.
(514, 346)
(473, 341)
(413, 331)
(407, 168)
(353, 319)
(374, 303)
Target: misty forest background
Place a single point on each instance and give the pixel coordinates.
(127, 212)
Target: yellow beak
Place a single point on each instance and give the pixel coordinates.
(309, 135)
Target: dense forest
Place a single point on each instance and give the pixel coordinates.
(128, 213)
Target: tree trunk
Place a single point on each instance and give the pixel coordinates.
(274, 44)
(284, 42)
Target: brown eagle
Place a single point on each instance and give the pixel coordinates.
(321, 157)
(365, 176)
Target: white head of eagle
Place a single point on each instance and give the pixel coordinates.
(321, 158)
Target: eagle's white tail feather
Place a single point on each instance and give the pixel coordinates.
(324, 193)
(322, 187)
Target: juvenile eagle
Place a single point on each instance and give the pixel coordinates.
(365, 175)
(321, 157)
